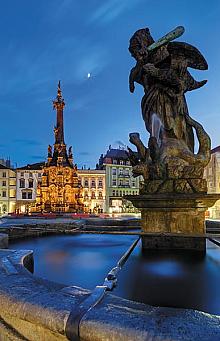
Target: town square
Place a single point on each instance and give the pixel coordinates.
(110, 171)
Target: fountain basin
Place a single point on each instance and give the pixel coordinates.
(177, 220)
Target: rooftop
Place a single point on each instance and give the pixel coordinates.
(116, 154)
(33, 166)
(215, 150)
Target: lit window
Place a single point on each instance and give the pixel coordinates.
(22, 183)
(114, 182)
(31, 183)
(24, 195)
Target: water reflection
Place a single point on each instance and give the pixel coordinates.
(156, 278)
(168, 268)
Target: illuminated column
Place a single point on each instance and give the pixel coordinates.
(59, 104)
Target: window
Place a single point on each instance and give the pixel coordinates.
(100, 195)
(120, 171)
(4, 194)
(39, 175)
(121, 162)
(113, 171)
(31, 183)
(113, 193)
(4, 183)
(29, 195)
(86, 183)
(114, 182)
(22, 183)
(93, 183)
(93, 195)
(86, 195)
(127, 184)
(30, 175)
(24, 195)
(114, 162)
(22, 174)
(100, 183)
(133, 183)
(4, 175)
(120, 182)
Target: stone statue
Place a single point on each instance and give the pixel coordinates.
(161, 68)
(70, 153)
(56, 130)
(49, 149)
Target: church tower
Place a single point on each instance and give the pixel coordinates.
(59, 189)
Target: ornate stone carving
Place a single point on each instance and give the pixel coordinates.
(161, 68)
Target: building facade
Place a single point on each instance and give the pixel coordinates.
(7, 190)
(59, 189)
(93, 190)
(119, 181)
(27, 179)
(212, 176)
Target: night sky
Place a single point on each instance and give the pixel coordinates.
(44, 41)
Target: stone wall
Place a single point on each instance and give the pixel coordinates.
(36, 309)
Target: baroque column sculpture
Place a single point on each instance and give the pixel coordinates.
(173, 197)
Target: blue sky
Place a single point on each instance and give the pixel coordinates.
(44, 41)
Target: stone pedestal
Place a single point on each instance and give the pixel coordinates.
(173, 221)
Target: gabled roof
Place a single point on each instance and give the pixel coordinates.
(33, 166)
(4, 167)
(215, 150)
(116, 154)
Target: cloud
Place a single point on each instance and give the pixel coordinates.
(27, 142)
(111, 9)
(120, 143)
